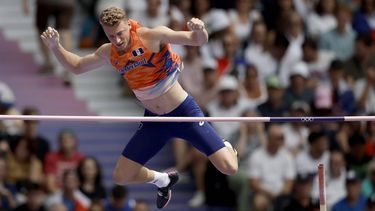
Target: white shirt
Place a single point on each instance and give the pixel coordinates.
(261, 59)
(358, 90)
(272, 170)
(241, 29)
(226, 129)
(305, 164)
(294, 138)
(319, 69)
(317, 24)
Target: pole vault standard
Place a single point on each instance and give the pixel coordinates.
(187, 119)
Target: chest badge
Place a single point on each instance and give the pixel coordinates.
(138, 52)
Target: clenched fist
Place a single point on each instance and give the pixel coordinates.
(50, 37)
(195, 24)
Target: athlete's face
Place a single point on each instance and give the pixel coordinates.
(118, 35)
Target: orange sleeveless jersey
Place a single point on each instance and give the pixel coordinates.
(147, 73)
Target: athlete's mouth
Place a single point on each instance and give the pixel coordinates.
(120, 45)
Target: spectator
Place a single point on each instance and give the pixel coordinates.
(356, 158)
(119, 201)
(66, 157)
(355, 67)
(90, 178)
(317, 152)
(368, 185)
(242, 18)
(257, 52)
(301, 198)
(364, 18)
(364, 90)
(70, 195)
(340, 39)
(62, 12)
(229, 62)
(322, 19)
(246, 140)
(298, 89)
(229, 103)
(335, 180)
(254, 88)
(353, 199)
(271, 168)
(343, 100)
(58, 207)
(210, 83)
(152, 16)
(296, 133)
(317, 60)
(275, 105)
(7, 190)
(35, 196)
(22, 165)
(38, 144)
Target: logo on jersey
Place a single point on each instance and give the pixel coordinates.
(201, 123)
(138, 52)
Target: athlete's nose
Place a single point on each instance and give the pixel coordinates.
(118, 40)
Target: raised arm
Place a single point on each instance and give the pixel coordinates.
(70, 61)
(197, 35)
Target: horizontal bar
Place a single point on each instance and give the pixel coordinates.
(185, 119)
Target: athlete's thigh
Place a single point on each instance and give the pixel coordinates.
(201, 135)
(146, 142)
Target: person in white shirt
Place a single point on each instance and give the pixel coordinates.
(308, 160)
(271, 168)
(322, 19)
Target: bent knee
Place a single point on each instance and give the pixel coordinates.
(231, 169)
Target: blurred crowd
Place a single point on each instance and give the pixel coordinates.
(267, 58)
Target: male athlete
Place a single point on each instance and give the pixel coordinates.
(144, 58)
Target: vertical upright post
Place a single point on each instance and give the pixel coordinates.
(322, 188)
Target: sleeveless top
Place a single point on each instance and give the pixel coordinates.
(147, 73)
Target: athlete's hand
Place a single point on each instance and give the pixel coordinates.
(195, 24)
(50, 37)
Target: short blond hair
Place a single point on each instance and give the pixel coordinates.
(112, 16)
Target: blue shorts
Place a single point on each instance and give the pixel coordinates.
(152, 136)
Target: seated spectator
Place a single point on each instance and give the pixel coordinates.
(70, 195)
(271, 169)
(322, 19)
(353, 200)
(368, 185)
(340, 39)
(58, 207)
(229, 103)
(298, 89)
(7, 190)
(317, 152)
(254, 88)
(90, 177)
(301, 197)
(335, 180)
(343, 100)
(257, 52)
(210, 84)
(296, 133)
(65, 158)
(364, 18)
(22, 165)
(355, 66)
(153, 16)
(118, 200)
(364, 90)
(35, 196)
(246, 140)
(317, 60)
(38, 144)
(275, 104)
(356, 158)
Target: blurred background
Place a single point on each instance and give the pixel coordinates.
(263, 58)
